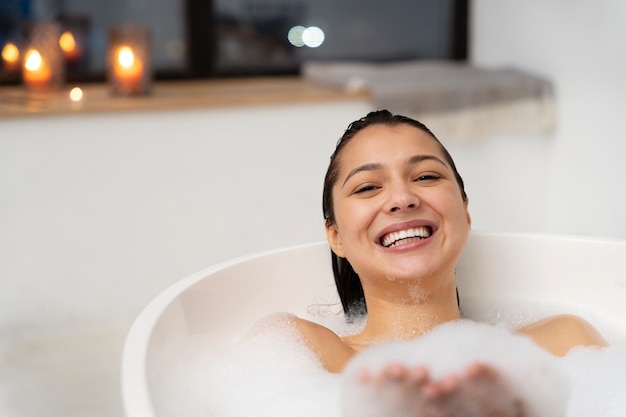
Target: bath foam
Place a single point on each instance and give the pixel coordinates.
(271, 372)
(533, 374)
(517, 313)
(599, 377)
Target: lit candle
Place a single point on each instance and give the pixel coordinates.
(11, 57)
(37, 74)
(68, 45)
(128, 69)
(129, 63)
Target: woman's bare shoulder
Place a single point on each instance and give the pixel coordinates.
(558, 334)
(328, 346)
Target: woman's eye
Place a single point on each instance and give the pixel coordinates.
(365, 189)
(428, 177)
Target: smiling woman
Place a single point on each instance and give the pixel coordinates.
(348, 282)
(188, 348)
(397, 222)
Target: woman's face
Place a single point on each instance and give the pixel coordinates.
(398, 209)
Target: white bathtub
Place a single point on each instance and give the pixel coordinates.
(207, 311)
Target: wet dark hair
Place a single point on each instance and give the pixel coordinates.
(346, 279)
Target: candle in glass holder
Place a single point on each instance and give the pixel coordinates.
(128, 68)
(43, 68)
(37, 74)
(129, 60)
(11, 58)
(68, 45)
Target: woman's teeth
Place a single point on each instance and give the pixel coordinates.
(405, 236)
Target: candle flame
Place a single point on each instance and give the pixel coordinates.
(10, 53)
(33, 60)
(67, 42)
(125, 57)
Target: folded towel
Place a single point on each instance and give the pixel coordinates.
(458, 101)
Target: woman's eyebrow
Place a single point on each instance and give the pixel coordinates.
(361, 168)
(416, 159)
(419, 158)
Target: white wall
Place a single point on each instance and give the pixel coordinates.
(98, 214)
(581, 45)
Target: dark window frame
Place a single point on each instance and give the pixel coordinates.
(201, 45)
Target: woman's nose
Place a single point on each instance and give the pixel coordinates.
(402, 198)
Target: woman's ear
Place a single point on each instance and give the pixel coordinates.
(334, 240)
(467, 214)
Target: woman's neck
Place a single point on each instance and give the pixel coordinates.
(404, 319)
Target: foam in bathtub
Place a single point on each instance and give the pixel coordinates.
(526, 371)
(270, 373)
(599, 377)
(273, 373)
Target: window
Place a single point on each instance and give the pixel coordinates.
(252, 35)
(201, 38)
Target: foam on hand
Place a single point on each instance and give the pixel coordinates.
(533, 375)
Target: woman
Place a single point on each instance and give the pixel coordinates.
(397, 222)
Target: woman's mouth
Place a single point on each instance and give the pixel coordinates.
(402, 237)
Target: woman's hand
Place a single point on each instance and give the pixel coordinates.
(400, 391)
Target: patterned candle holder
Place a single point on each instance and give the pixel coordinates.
(43, 66)
(129, 60)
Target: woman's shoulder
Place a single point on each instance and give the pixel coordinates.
(325, 344)
(328, 346)
(558, 334)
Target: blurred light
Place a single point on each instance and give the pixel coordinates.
(295, 36)
(301, 36)
(33, 60)
(125, 57)
(10, 53)
(76, 94)
(68, 45)
(67, 42)
(313, 36)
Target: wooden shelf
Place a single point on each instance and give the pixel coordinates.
(17, 102)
